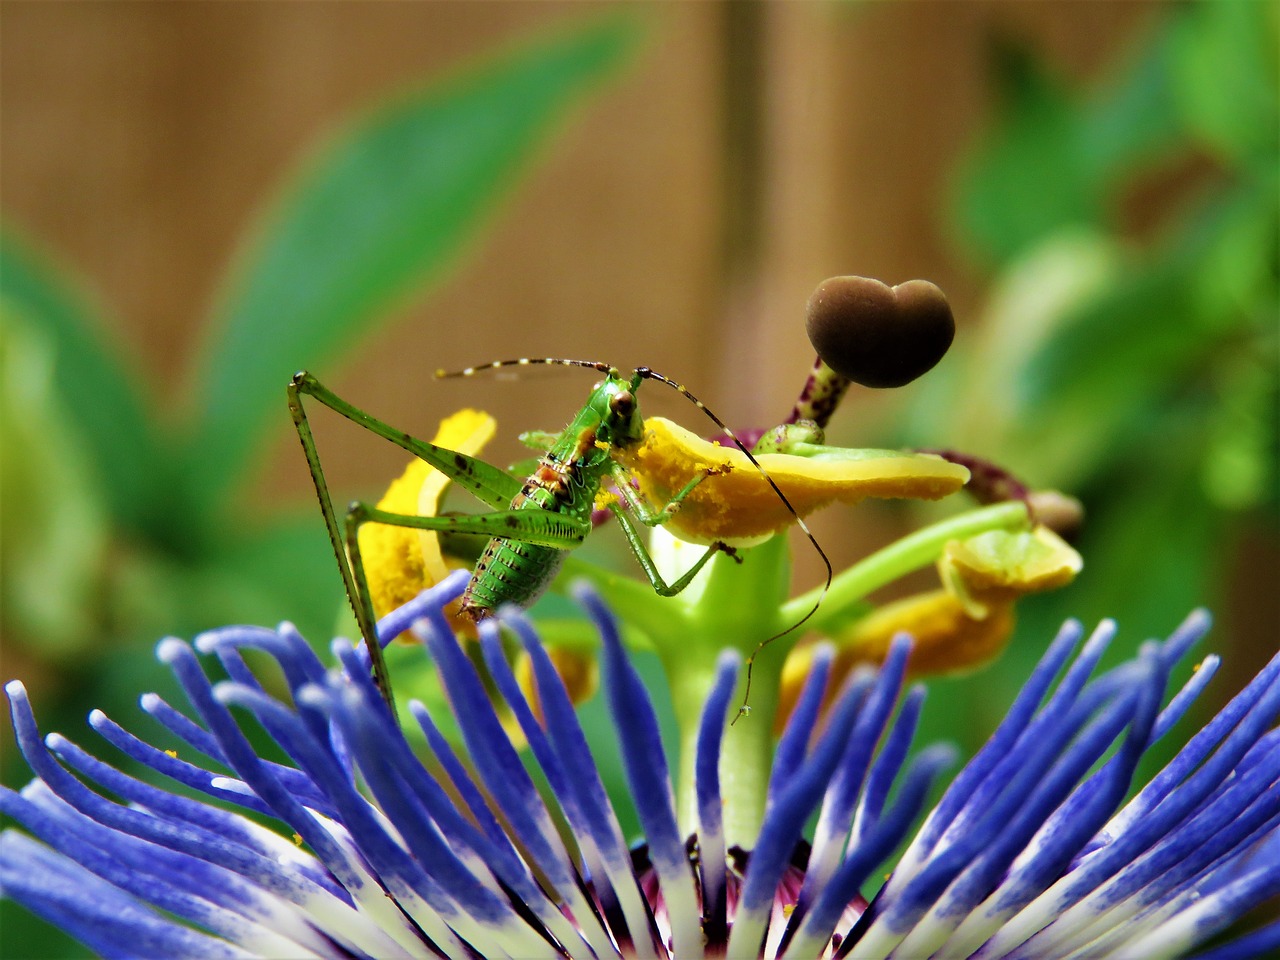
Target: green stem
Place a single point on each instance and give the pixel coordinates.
(690, 685)
(746, 754)
(746, 757)
(737, 608)
(901, 557)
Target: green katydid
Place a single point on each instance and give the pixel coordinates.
(534, 521)
(876, 335)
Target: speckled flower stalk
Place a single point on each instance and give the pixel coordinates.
(1031, 850)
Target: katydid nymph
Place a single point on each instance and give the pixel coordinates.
(865, 332)
(534, 521)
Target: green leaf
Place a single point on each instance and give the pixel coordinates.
(273, 568)
(98, 396)
(1152, 544)
(1133, 117)
(1003, 204)
(40, 939)
(1055, 157)
(1239, 467)
(373, 219)
(1225, 77)
(1026, 306)
(1105, 374)
(54, 522)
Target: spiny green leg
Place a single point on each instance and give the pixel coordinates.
(539, 527)
(660, 586)
(491, 485)
(357, 594)
(364, 606)
(529, 526)
(640, 507)
(647, 515)
(488, 483)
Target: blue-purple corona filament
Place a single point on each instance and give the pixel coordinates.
(1032, 850)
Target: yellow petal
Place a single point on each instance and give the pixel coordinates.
(577, 670)
(736, 504)
(400, 562)
(947, 640)
(999, 566)
(467, 431)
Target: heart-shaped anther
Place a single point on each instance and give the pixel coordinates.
(877, 335)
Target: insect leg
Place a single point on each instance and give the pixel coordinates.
(489, 484)
(647, 374)
(660, 586)
(353, 583)
(637, 505)
(540, 527)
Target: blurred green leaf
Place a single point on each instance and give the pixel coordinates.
(276, 566)
(283, 565)
(1235, 273)
(1027, 304)
(1054, 157)
(373, 219)
(1142, 378)
(95, 391)
(416, 678)
(1240, 454)
(1132, 118)
(1225, 77)
(1004, 202)
(1152, 546)
(1117, 356)
(52, 514)
(23, 934)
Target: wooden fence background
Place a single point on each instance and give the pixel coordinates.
(681, 221)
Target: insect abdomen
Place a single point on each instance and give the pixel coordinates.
(510, 571)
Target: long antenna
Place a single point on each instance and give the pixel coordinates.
(647, 374)
(524, 362)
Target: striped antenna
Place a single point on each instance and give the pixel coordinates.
(646, 374)
(524, 362)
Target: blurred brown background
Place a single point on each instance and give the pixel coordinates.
(681, 222)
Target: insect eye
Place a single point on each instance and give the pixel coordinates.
(622, 404)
